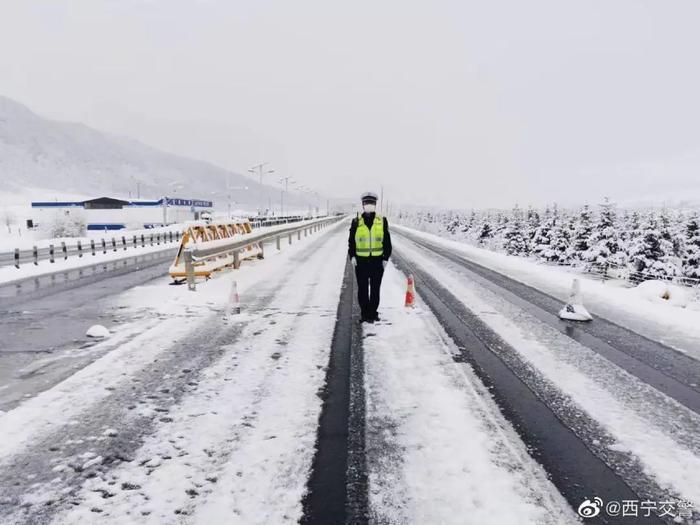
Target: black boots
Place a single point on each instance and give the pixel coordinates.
(371, 318)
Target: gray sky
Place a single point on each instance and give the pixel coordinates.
(454, 103)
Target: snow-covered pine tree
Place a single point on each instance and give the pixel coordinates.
(472, 220)
(622, 227)
(514, 241)
(453, 222)
(605, 247)
(499, 225)
(468, 223)
(559, 238)
(672, 242)
(541, 241)
(581, 235)
(677, 233)
(691, 255)
(630, 228)
(532, 223)
(647, 256)
(485, 231)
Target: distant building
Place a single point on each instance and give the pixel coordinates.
(107, 213)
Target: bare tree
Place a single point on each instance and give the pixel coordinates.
(8, 218)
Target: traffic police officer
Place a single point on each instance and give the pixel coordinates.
(369, 249)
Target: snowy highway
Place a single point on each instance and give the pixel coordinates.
(44, 319)
(477, 406)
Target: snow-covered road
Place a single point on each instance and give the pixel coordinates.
(44, 329)
(474, 407)
(197, 395)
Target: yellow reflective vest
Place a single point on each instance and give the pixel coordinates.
(369, 241)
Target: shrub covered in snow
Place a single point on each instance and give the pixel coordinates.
(663, 292)
(61, 225)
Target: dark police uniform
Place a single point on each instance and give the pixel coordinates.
(370, 244)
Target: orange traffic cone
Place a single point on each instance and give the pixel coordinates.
(410, 292)
(234, 300)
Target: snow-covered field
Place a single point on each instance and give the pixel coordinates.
(16, 208)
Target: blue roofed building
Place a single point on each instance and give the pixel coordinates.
(108, 213)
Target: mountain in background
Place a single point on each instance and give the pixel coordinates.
(72, 158)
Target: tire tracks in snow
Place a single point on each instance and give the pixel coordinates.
(675, 374)
(571, 446)
(208, 461)
(655, 432)
(439, 451)
(636, 394)
(337, 486)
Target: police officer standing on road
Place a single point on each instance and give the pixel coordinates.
(369, 249)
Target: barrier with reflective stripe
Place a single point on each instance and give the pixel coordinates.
(202, 232)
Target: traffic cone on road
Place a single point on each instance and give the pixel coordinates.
(574, 309)
(234, 300)
(410, 292)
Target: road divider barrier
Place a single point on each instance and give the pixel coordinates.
(202, 234)
(203, 255)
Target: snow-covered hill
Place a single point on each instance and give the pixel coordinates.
(73, 158)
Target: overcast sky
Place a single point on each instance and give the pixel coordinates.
(460, 103)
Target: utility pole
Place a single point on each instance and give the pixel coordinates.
(260, 170)
(285, 189)
(381, 202)
(228, 195)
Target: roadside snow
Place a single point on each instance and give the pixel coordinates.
(438, 449)
(658, 320)
(663, 292)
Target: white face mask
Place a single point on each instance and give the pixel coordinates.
(369, 208)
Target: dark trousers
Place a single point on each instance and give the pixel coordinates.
(369, 279)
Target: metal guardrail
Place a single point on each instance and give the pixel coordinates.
(616, 271)
(223, 247)
(258, 222)
(63, 250)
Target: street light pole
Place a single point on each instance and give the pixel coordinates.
(286, 189)
(229, 191)
(260, 171)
